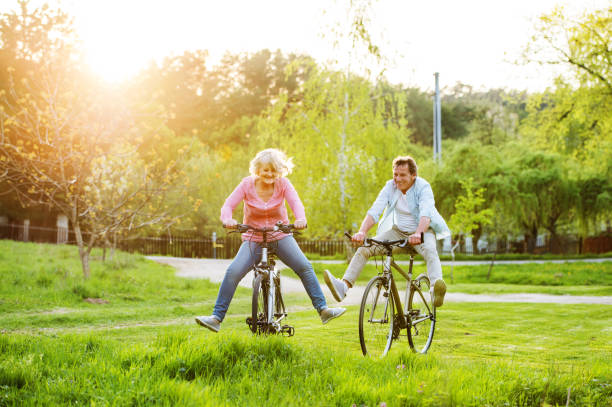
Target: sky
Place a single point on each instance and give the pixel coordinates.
(471, 41)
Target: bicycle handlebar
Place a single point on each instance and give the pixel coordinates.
(241, 228)
(399, 243)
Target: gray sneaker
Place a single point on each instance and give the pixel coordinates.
(330, 313)
(337, 287)
(210, 322)
(439, 289)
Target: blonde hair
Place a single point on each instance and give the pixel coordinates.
(282, 165)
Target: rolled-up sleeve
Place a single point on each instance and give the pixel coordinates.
(426, 202)
(381, 201)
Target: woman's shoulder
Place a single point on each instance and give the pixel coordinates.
(248, 180)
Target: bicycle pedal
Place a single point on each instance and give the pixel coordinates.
(287, 330)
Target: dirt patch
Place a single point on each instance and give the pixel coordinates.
(96, 300)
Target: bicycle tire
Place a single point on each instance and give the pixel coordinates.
(376, 318)
(259, 305)
(421, 315)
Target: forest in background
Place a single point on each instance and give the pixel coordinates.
(161, 152)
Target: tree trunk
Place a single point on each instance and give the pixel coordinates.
(83, 253)
(531, 239)
(342, 161)
(113, 247)
(476, 235)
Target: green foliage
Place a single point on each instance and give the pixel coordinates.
(342, 144)
(544, 161)
(575, 118)
(468, 215)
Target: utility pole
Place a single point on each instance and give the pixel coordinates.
(437, 123)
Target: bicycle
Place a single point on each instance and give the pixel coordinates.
(267, 307)
(379, 322)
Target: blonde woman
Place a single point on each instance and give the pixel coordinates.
(264, 193)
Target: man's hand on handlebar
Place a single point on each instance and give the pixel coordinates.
(300, 224)
(415, 238)
(358, 238)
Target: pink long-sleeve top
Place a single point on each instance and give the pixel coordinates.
(264, 214)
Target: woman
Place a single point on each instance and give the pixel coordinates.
(264, 193)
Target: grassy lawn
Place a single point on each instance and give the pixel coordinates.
(143, 348)
(547, 278)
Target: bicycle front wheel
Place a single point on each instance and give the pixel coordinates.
(376, 318)
(259, 305)
(421, 315)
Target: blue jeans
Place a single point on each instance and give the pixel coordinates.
(249, 254)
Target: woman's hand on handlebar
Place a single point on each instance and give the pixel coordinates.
(300, 224)
(230, 223)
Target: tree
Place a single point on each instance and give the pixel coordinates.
(575, 117)
(63, 144)
(342, 143)
(48, 137)
(545, 194)
(468, 215)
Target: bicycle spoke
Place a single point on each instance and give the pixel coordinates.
(422, 315)
(376, 319)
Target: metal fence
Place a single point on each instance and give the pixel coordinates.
(175, 245)
(226, 247)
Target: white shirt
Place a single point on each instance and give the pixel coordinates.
(404, 219)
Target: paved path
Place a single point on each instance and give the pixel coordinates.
(214, 270)
(485, 262)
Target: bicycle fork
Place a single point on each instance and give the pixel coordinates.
(272, 318)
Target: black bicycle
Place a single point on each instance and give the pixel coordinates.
(382, 316)
(267, 308)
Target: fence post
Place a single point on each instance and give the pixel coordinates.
(214, 244)
(26, 230)
(62, 229)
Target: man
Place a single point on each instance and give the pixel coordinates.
(409, 210)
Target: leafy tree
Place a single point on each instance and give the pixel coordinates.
(63, 144)
(545, 194)
(468, 214)
(342, 145)
(481, 165)
(575, 118)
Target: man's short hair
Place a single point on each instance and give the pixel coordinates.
(406, 160)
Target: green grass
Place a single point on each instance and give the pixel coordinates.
(548, 278)
(484, 257)
(143, 348)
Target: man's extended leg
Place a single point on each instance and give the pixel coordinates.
(429, 252)
(339, 287)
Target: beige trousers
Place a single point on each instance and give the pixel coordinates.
(427, 249)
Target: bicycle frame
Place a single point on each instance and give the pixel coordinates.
(398, 316)
(266, 279)
(387, 274)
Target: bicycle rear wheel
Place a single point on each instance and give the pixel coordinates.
(376, 318)
(421, 315)
(259, 305)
